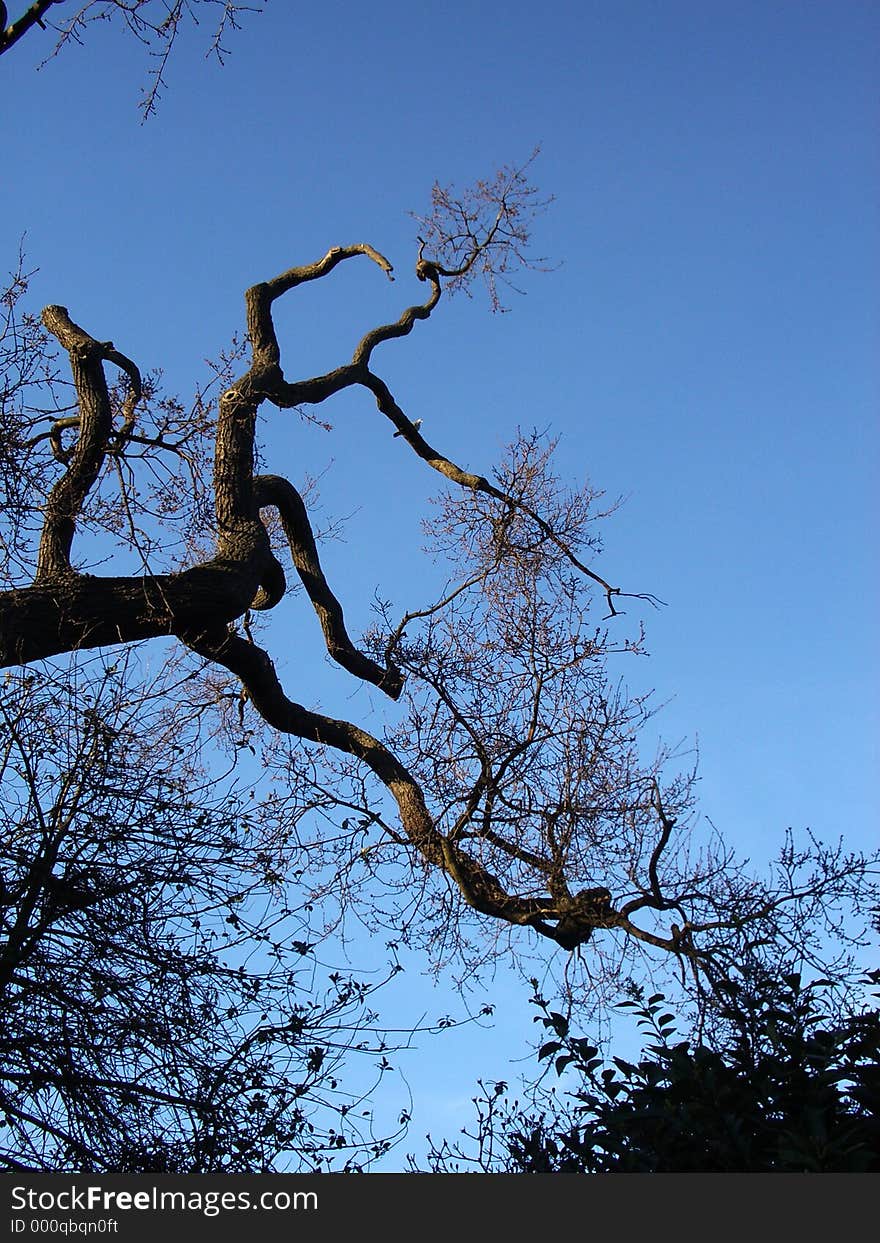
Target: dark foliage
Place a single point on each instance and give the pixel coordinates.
(790, 1084)
(161, 1006)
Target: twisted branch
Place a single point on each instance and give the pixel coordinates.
(275, 491)
(199, 604)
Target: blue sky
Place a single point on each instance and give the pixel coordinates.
(706, 347)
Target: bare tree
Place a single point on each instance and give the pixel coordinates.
(162, 1006)
(510, 778)
(155, 24)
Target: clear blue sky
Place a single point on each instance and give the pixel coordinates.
(707, 348)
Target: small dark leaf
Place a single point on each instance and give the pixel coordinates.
(559, 1023)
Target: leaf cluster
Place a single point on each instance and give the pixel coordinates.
(793, 1087)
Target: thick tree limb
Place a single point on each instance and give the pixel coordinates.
(33, 16)
(67, 497)
(77, 612)
(275, 491)
(479, 888)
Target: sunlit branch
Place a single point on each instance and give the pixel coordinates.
(32, 16)
(84, 462)
(272, 490)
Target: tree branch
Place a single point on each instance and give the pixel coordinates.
(10, 34)
(275, 491)
(84, 464)
(479, 888)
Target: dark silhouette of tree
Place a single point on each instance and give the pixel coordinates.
(789, 1084)
(162, 1006)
